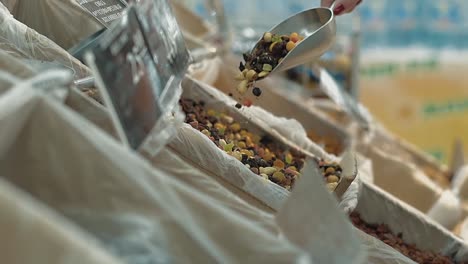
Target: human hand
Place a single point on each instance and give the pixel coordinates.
(341, 6)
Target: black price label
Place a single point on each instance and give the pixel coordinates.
(128, 79)
(105, 11)
(164, 39)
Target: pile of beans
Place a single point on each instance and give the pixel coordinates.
(265, 56)
(261, 154)
(383, 233)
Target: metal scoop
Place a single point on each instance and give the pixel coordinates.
(318, 27)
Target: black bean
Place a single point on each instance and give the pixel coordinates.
(253, 62)
(244, 158)
(273, 179)
(259, 67)
(266, 58)
(258, 52)
(241, 66)
(239, 106)
(203, 126)
(257, 91)
(252, 163)
(265, 140)
(263, 163)
(212, 119)
(278, 49)
(300, 164)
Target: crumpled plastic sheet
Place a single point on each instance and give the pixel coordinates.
(19, 72)
(32, 233)
(350, 198)
(259, 215)
(92, 111)
(168, 161)
(10, 4)
(200, 150)
(62, 21)
(136, 210)
(127, 194)
(14, 66)
(36, 50)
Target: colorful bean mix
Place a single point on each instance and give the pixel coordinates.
(261, 155)
(383, 233)
(266, 55)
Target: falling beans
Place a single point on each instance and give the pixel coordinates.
(266, 55)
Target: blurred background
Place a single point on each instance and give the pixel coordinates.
(406, 61)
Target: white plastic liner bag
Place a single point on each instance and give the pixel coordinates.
(15, 66)
(10, 4)
(32, 233)
(38, 51)
(179, 169)
(139, 213)
(62, 21)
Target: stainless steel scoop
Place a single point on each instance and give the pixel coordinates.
(318, 27)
